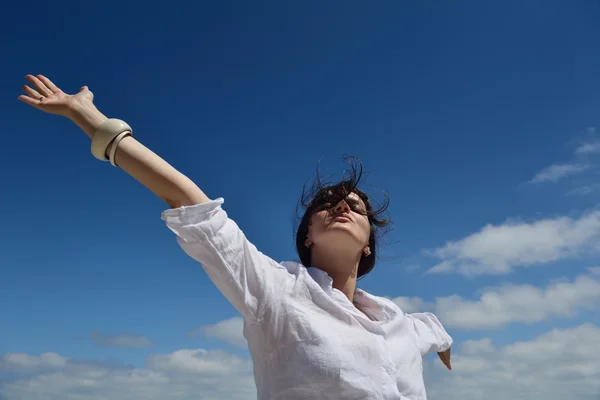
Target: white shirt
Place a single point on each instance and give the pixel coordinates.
(306, 338)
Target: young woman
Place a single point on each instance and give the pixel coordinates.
(311, 332)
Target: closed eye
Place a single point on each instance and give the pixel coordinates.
(325, 206)
(356, 205)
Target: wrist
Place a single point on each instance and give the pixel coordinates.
(87, 117)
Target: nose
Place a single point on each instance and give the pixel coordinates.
(341, 207)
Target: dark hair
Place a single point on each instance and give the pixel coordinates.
(320, 194)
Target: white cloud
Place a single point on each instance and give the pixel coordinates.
(27, 362)
(477, 347)
(555, 172)
(198, 361)
(560, 364)
(411, 304)
(583, 190)
(499, 306)
(579, 163)
(588, 148)
(230, 330)
(182, 375)
(497, 249)
(494, 307)
(594, 270)
(119, 340)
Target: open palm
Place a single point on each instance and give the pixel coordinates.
(49, 98)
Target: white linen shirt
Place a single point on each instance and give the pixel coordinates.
(307, 340)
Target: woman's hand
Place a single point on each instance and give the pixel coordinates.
(445, 357)
(78, 107)
(49, 98)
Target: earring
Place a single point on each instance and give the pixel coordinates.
(367, 251)
(308, 243)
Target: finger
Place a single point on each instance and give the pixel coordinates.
(32, 102)
(31, 92)
(39, 85)
(49, 84)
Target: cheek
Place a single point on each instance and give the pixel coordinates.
(365, 229)
(316, 224)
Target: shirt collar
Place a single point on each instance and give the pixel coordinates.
(374, 305)
(321, 278)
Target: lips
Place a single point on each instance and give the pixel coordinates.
(343, 218)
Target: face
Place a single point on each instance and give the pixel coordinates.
(342, 226)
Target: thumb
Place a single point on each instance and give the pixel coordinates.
(87, 92)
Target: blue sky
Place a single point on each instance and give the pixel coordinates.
(455, 108)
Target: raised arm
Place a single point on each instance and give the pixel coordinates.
(133, 157)
(250, 280)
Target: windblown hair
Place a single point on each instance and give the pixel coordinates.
(320, 195)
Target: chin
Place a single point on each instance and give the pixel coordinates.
(341, 237)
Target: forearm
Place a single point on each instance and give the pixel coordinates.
(157, 175)
(144, 165)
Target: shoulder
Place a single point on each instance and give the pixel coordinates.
(293, 267)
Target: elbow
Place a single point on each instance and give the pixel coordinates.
(185, 195)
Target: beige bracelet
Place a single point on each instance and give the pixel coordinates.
(105, 134)
(113, 147)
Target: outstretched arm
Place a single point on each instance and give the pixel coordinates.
(431, 336)
(250, 280)
(136, 159)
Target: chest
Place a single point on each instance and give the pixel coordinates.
(323, 336)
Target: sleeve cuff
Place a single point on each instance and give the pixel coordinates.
(187, 215)
(431, 333)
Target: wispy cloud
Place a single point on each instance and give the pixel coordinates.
(19, 362)
(229, 330)
(477, 347)
(588, 148)
(411, 304)
(579, 163)
(583, 190)
(589, 144)
(556, 172)
(594, 270)
(119, 340)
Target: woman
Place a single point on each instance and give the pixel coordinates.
(311, 332)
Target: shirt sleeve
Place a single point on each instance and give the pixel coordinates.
(247, 278)
(431, 335)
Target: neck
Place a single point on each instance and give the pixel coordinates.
(342, 270)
